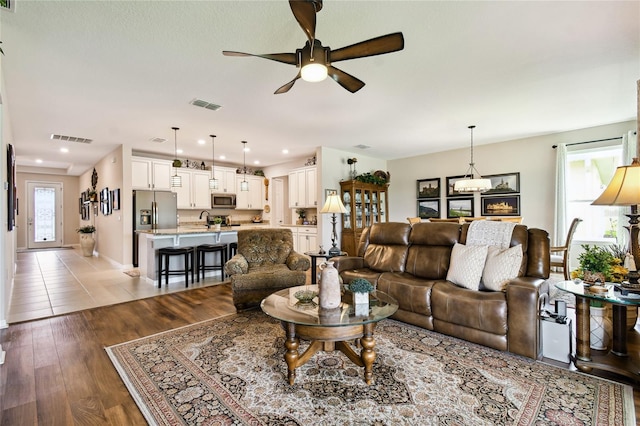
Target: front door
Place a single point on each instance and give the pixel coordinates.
(44, 214)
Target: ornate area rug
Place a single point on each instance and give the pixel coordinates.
(231, 371)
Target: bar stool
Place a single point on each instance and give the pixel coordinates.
(201, 252)
(164, 262)
(233, 249)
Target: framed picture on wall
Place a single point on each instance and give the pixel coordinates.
(115, 199)
(428, 208)
(460, 207)
(105, 201)
(504, 183)
(451, 181)
(508, 205)
(429, 188)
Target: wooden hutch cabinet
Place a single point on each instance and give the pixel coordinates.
(366, 204)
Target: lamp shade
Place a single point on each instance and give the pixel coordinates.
(333, 205)
(472, 185)
(624, 188)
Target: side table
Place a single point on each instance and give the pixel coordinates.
(314, 255)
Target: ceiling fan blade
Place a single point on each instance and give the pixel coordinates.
(345, 80)
(285, 58)
(305, 13)
(286, 87)
(375, 46)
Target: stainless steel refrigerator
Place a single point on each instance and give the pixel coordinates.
(153, 210)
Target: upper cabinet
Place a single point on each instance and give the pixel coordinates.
(253, 199)
(149, 173)
(226, 180)
(194, 192)
(302, 187)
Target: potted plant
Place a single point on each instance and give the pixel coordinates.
(87, 242)
(361, 288)
(217, 221)
(302, 214)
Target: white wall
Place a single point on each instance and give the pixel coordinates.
(534, 158)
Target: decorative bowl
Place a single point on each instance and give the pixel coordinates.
(305, 296)
(597, 289)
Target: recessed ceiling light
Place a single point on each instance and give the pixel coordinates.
(285, 151)
(201, 141)
(256, 162)
(64, 149)
(38, 160)
(245, 149)
(222, 157)
(179, 151)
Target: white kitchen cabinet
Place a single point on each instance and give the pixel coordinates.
(194, 192)
(307, 240)
(302, 188)
(226, 180)
(149, 173)
(252, 199)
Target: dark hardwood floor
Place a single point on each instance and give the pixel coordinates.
(57, 372)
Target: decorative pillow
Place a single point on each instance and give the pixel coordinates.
(466, 265)
(501, 266)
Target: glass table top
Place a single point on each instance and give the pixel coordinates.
(615, 293)
(284, 306)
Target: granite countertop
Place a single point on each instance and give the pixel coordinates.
(294, 225)
(200, 229)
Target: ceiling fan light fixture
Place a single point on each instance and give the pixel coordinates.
(469, 183)
(313, 72)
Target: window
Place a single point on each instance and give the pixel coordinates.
(588, 173)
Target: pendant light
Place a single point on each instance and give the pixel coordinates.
(244, 185)
(213, 182)
(176, 181)
(470, 183)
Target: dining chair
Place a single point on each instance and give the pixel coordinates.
(413, 220)
(560, 254)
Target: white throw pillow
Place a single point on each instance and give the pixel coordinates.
(501, 266)
(466, 265)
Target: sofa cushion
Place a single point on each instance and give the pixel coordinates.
(501, 266)
(265, 247)
(467, 264)
(413, 294)
(429, 252)
(388, 245)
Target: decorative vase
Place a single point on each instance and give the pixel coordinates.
(361, 303)
(329, 291)
(216, 227)
(600, 328)
(87, 244)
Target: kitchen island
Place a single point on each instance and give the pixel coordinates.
(149, 241)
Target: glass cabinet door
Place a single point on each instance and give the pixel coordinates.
(346, 218)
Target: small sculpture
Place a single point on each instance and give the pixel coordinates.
(321, 251)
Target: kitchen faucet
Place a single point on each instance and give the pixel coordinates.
(207, 212)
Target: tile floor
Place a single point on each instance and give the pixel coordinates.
(55, 282)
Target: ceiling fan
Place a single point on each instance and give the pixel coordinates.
(314, 60)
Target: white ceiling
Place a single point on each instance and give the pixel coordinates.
(124, 72)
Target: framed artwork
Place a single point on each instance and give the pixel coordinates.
(86, 211)
(12, 192)
(460, 207)
(428, 209)
(504, 184)
(80, 205)
(115, 199)
(451, 181)
(507, 205)
(429, 188)
(105, 201)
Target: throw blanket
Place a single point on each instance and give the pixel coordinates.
(490, 233)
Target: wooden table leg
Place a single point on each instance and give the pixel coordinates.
(619, 346)
(583, 338)
(291, 356)
(368, 355)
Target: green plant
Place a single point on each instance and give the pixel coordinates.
(302, 213)
(369, 178)
(176, 163)
(258, 173)
(89, 229)
(360, 285)
(217, 220)
(603, 260)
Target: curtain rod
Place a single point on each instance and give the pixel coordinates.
(581, 143)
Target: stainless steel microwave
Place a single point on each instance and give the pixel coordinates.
(223, 201)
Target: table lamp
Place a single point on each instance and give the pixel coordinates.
(624, 190)
(333, 205)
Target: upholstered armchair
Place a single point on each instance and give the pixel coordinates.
(265, 263)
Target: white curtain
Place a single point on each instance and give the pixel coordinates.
(560, 225)
(629, 151)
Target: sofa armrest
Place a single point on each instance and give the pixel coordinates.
(523, 294)
(344, 263)
(298, 262)
(236, 265)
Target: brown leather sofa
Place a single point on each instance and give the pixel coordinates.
(410, 262)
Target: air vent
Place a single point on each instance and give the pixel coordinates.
(158, 140)
(70, 139)
(205, 104)
(362, 146)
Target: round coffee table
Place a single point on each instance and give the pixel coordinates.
(328, 330)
